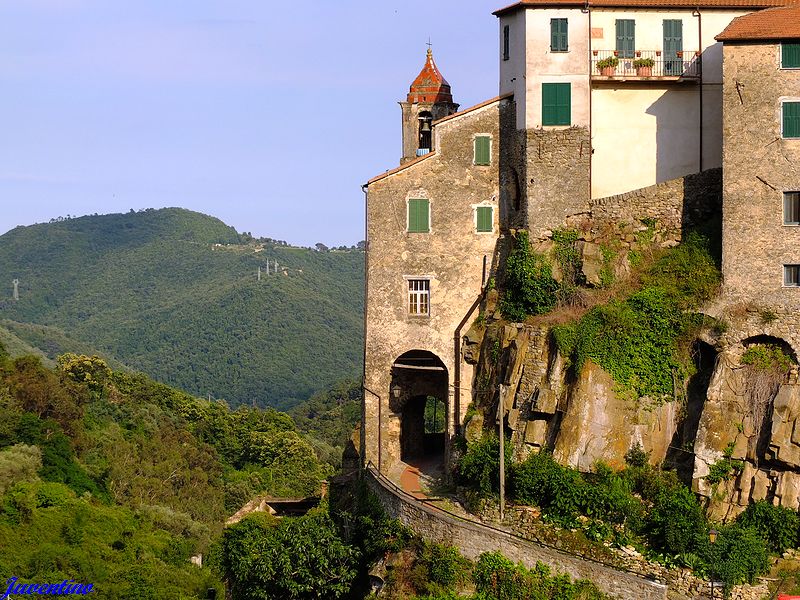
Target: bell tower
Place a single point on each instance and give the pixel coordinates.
(428, 99)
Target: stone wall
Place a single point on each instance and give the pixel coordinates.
(675, 205)
(556, 176)
(473, 538)
(758, 166)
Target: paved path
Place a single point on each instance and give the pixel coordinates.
(418, 475)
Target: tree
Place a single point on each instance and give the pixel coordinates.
(321, 247)
(296, 559)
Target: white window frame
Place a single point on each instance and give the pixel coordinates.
(786, 268)
(420, 293)
(475, 208)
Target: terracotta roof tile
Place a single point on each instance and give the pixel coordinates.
(430, 85)
(771, 24)
(753, 4)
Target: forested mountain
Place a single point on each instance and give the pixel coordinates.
(175, 294)
(102, 470)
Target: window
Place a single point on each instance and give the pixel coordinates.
(791, 119)
(418, 216)
(484, 219)
(791, 275)
(505, 42)
(558, 35)
(419, 295)
(791, 208)
(790, 56)
(626, 37)
(556, 104)
(483, 146)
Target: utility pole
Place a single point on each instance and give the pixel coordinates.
(15, 282)
(501, 417)
(259, 272)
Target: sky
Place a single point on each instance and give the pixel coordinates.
(268, 115)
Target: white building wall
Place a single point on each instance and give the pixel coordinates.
(512, 71)
(647, 132)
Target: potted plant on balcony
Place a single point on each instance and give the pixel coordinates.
(608, 66)
(644, 67)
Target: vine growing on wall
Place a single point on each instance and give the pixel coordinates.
(530, 288)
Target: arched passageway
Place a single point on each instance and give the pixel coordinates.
(419, 394)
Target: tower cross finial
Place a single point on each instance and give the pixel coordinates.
(429, 44)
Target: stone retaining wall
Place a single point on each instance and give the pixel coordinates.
(472, 539)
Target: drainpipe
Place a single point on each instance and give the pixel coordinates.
(696, 13)
(586, 10)
(363, 434)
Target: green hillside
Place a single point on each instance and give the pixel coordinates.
(174, 293)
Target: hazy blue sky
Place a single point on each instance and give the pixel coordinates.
(268, 115)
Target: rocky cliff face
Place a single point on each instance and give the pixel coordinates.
(727, 413)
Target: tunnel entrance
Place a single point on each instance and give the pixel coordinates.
(419, 394)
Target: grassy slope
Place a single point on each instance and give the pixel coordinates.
(151, 289)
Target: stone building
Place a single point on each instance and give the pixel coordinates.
(432, 227)
(761, 159)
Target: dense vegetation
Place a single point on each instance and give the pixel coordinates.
(643, 339)
(641, 506)
(102, 470)
(175, 294)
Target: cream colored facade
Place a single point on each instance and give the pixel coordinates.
(644, 130)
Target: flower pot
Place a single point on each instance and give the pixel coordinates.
(608, 71)
(679, 53)
(644, 71)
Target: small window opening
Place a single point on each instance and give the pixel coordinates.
(506, 33)
(791, 275)
(791, 208)
(419, 295)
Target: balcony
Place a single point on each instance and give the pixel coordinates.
(681, 66)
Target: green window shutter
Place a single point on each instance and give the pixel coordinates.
(626, 37)
(418, 216)
(790, 56)
(791, 119)
(556, 104)
(558, 35)
(484, 219)
(482, 150)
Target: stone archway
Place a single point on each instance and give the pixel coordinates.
(419, 396)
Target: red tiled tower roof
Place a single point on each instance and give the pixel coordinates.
(430, 86)
(770, 24)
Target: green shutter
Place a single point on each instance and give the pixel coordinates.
(556, 104)
(626, 37)
(482, 147)
(484, 219)
(790, 56)
(791, 119)
(558, 35)
(418, 216)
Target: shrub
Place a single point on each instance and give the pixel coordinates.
(643, 62)
(605, 63)
(739, 555)
(767, 357)
(636, 456)
(444, 564)
(479, 468)
(529, 287)
(557, 490)
(777, 525)
(675, 521)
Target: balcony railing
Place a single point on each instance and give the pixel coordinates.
(678, 65)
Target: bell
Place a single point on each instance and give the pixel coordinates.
(426, 126)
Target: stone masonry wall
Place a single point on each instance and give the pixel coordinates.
(758, 166)
(472, 539)
(556, 173)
